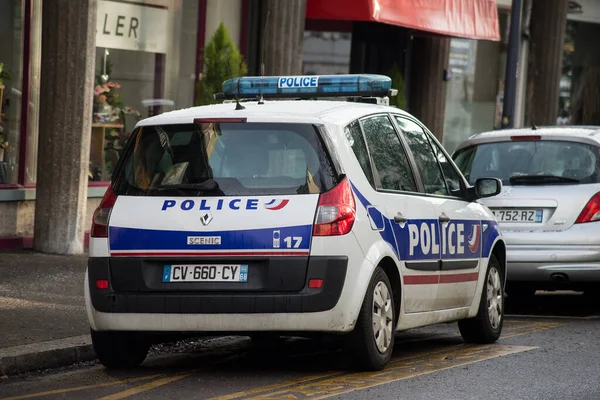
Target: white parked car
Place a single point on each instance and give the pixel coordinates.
(291, 217)
(549, 210)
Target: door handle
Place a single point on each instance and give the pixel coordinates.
(444, 218)
(400, 219)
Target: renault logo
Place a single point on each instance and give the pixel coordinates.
(206, 218)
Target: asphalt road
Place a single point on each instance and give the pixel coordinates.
(550, 349)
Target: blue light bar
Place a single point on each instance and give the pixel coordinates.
(307, 86)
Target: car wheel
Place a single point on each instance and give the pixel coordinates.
(372, 341)
(486, 327)
(120, 350)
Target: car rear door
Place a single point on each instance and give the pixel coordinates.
(459, 221)
(218, 205)
(403, 218)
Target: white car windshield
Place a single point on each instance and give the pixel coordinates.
(530, 162)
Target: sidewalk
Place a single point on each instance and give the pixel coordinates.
(42, 311)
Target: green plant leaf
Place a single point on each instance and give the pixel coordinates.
(395, 73)
(222, 61)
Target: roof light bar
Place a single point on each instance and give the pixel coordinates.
(307, 86)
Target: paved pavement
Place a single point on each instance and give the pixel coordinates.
(549, 350)
(41, 297)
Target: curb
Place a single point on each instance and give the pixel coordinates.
(44, 355)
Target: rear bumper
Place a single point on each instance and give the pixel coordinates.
(132, 291)
(554, 265)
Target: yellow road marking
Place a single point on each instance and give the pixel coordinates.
(145, 387)
(409, 368)
(287, 389)
(533, 327)
(277, 386)
(99, 385)
(331, 384)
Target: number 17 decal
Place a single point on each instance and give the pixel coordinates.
(296, 240)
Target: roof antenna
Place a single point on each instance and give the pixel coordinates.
(533, 125)
(262, 59)
(238, 106)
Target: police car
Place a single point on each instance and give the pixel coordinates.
(291, 217)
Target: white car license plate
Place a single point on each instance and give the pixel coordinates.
(530, 216)
(205, 273)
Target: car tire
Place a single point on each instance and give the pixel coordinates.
(120, 350)
(486, 327)
(371, 343)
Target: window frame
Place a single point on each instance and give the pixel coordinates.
(324, 144)
(374, 181)
(463, 185)
(431, 138)
(403, 144)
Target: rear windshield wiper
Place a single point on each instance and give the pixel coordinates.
(540, 179)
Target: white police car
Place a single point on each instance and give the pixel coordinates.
(291, 217)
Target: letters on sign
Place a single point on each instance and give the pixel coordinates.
(133, 27)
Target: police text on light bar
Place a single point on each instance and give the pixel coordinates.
(298, 81)
(307, 86)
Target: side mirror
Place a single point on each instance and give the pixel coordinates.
(487, 187)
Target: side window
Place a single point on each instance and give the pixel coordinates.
(389, 157)
(453, 178)
(426, 160)
(355, 138)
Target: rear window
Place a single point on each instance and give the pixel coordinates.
(530, 162)
(225, 159)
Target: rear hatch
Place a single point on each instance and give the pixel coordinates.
(218, 201)
(547, 183)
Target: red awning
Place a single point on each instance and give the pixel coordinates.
(473, 19)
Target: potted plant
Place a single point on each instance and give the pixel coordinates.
(107, 100)
(395, 73)
(107, 103)
(222, 61)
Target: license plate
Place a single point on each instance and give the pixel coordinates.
(205, 273)
(531, 216)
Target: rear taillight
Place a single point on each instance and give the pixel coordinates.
(591, 211)
(102, 213)
(336, 211)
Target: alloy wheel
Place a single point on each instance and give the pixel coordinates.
(382, 317)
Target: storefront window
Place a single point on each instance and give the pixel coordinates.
(145, 65)
(11, 56)
(579, 102)
(326, 53)
(473, 97)
(145, 57)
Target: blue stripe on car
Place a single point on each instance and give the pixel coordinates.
(399, 237)
(247, 239)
